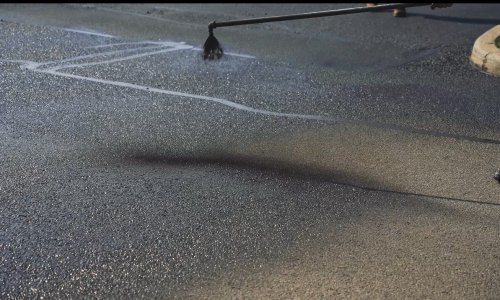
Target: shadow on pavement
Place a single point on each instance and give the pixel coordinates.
(288, 169)
(280, 168)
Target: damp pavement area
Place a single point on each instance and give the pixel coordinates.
(349, 156)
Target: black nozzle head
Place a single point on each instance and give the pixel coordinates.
(212, 48)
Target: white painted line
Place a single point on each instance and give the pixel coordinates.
(120, 44)
(173, 44)
(239, 55)
(19, 61)
(89, 32)
(25, 64)
(230, 53)
(118, 59)
(187, 95)
(97, 55)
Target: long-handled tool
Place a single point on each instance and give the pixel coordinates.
(212, 48)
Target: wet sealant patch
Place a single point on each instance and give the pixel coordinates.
(132, 53)
(80, 68)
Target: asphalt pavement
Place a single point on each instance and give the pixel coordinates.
(341, 157)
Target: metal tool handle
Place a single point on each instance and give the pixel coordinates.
(317, 14)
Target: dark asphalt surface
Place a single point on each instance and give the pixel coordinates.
(349, 156)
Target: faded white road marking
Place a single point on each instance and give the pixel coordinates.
(121, 44)
(187, 95)
(22, 62)
(89, 32)
(229, 53)
(25, 64)
(118, 59)
(94, 55)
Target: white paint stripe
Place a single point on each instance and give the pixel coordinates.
(239, 55)
(137, 43)
(117, 59)
(25, 64)
(89, 32)
(97, 55)
(158, 45)
(120, 44)
(19, 61)
(230, 53)
(187, 95)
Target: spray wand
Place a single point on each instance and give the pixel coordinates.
(212, 48)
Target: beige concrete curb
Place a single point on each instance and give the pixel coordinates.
(485, 54)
